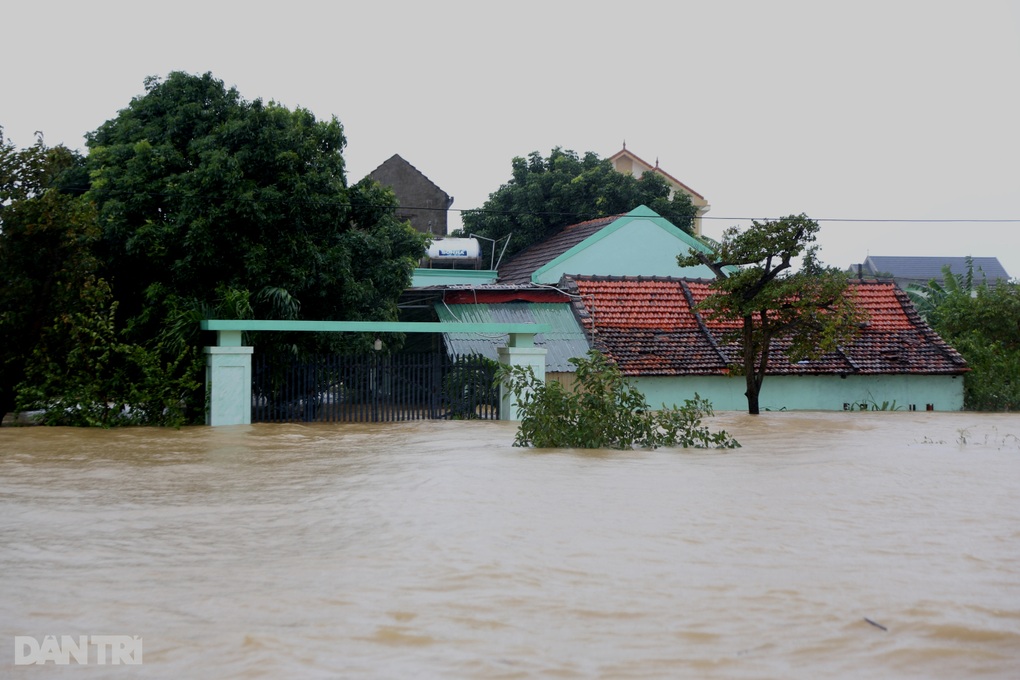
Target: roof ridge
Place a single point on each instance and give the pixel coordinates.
(655, 168)
(639, 278)
(925, 329)
(608, 218)
(702, 326)
(413, 167)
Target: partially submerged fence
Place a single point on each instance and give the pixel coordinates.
(373, 388)
(229, 362)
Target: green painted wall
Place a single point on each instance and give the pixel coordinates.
(810, 392)
(638, 247)
(451, 277)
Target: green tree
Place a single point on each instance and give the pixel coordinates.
(204, 196)
(546, 194)
(603, 410)
(982, 322)
(768, 300)
(929, 297)
(211, 206)
(82, 373)
(47, 235)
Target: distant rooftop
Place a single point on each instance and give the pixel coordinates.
(921, 270)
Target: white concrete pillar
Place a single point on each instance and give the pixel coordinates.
(520, 352)
(228, 385)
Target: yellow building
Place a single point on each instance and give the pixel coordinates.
(629, 164)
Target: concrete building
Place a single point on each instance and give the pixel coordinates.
(628, 163)
(421, 201)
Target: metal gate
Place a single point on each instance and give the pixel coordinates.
(373, 388)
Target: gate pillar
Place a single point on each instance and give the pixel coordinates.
(228, 381)
(521, 351)
(228, 366)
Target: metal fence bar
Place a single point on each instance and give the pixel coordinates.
(372, 388)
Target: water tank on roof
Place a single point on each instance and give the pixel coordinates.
(455, 252)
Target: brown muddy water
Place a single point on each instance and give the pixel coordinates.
(437, 550)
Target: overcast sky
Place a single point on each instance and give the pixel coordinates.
(864, 109)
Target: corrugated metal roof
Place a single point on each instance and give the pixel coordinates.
(566, 340)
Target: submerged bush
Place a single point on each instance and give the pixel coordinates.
(84, 374)
(603, 411)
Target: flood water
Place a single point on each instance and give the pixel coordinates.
(437, 550)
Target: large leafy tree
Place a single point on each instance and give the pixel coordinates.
(758, 289)
(546, 194)
(47, 233)
(982, 322)
(201, 205)
(209, 203)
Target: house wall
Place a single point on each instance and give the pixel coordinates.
(452, 277)
(628, 164)
(421, 202)
(810, 392)
(568, 380)
(638, 248)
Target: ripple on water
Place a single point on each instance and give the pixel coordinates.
(439, 550)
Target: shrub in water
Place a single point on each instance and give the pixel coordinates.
(602, 411)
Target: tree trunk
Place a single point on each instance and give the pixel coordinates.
(750, 367)
(753, 388)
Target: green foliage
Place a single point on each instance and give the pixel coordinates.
(546, 194)
(83, 374)
(929, 297)
(468, 387)
(809, 308)
(603, 411)
(200, 191)
(873, 405)
(993, 383)
(201, 205)
(982, 322)
(47, 235)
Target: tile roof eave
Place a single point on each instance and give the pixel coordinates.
(912, 342)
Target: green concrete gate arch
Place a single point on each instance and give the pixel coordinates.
(228, 363)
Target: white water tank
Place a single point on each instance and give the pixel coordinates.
(455, 252)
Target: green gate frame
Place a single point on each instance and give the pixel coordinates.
(228, 363)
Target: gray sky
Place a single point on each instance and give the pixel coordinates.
(870, 109)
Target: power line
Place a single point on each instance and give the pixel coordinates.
(585, 216)
(950, 220)
(918, 220)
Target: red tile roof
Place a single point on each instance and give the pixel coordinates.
(650, 326)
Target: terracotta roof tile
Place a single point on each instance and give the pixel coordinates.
(650, 326)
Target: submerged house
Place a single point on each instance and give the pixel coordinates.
(524, 289)
(613, 284)
(515, 304)
(651, 328)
